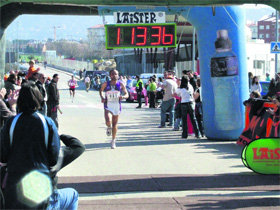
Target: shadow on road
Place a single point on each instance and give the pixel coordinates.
(130, 183)
(230, 203)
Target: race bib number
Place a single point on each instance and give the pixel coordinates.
(113, 96)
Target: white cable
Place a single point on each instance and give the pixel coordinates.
(231, 17)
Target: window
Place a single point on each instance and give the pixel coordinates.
(267, 27)
(258, 64)
(267, 36)
(261, 27)
(261, 36)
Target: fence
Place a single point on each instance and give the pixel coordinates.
(69, 65)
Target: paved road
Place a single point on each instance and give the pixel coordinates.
(148, 158)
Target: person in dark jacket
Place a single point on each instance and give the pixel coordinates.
(192, 79)
(53, 99)
(29, 147)
(41, 86)
(139, 88)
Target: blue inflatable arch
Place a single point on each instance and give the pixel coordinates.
(223, 71)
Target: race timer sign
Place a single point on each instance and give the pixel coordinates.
(140, 35)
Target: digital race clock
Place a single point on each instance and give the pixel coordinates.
(140, 35)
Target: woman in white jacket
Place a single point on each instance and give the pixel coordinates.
(256, 86)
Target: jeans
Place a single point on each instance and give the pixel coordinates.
(167, 106)
(66, 198)
(177, 123)
(188, 108)
(198, 115)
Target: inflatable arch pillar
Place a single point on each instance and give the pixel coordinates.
(223, 110)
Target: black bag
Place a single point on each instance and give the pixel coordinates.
(159, 94)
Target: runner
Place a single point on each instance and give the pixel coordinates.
(72, 83)
(112, 103)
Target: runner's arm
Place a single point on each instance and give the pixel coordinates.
(125, 96)
(103, 86)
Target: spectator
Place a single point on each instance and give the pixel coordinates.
(31, 69)
(178, 112)
(152, 93)
(29, 143)
(53, 99)
(271, 89)
(81, 74)
(253, 95)
(187, 107)
(267, 77)
(10, 84)
(256, 86)
(129, 82)
(192, 78)
(41, 86)
(250, 77)
(139, 89)
(168, 102)
(198, 107)
(5, 111)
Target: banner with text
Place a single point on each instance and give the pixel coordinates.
(139, 17)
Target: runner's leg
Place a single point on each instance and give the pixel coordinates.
(107, 118)
(115, 119)
(74, 93)
(115, 129)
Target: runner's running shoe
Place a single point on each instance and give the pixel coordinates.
(109, 131)
(113, 144)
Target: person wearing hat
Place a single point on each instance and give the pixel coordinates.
(32, 69)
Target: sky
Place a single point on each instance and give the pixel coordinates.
(41, 27)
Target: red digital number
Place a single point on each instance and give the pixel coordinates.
(164, 36)
(144, 36)
(132, 35)
(119, 36)
(158, 35)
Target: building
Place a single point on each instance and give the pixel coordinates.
(267, 28)
(259, 59)
(253, 27)
(96, 36)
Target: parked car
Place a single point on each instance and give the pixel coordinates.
(132, 91)
(265, 86)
